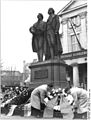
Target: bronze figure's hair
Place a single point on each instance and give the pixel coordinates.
(51, 9)
(40, 14)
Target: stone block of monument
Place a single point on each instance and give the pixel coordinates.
(50, 71)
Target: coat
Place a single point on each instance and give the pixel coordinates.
(38, 95)
(81, 98)
(37, 31)
(53, 26)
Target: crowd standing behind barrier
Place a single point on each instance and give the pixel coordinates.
(18, 99)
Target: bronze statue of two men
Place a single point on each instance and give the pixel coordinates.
(46, 38)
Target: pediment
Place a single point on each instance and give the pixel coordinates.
(73, 4)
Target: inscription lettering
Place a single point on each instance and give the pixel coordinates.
(41, 74)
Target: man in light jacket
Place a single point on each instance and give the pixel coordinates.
(80, 96)
(37, 99)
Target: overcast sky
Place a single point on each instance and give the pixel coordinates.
(16, 18)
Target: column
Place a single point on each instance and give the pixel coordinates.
(83, 37)
(75, 75)
(64, 39)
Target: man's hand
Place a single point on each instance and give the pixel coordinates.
(46, 100)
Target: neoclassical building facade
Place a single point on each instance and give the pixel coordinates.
(74, 41)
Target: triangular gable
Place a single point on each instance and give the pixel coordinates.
(76, 4)
(73, 4)
(64, 8)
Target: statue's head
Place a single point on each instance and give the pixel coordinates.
(51, 11)
(40, 16)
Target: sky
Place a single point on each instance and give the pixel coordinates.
(17, 16)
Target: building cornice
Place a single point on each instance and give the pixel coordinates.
(73, 9)
(83, 14)
(74, 55)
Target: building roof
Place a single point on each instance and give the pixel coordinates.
(9, 72)
(72, 5)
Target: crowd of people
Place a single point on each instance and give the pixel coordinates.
(14, 96)
(10, 92)
(45, 100)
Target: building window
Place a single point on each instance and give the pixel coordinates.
(76, 21)
(75, 45)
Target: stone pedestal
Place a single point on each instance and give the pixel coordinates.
(51, 71)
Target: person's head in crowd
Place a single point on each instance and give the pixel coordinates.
(16, 88)
(11, 88)
(21, 88)
(7, 90)
(9, 96)
(6, 97)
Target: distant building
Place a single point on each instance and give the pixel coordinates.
(73, 55)
(11, 78)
